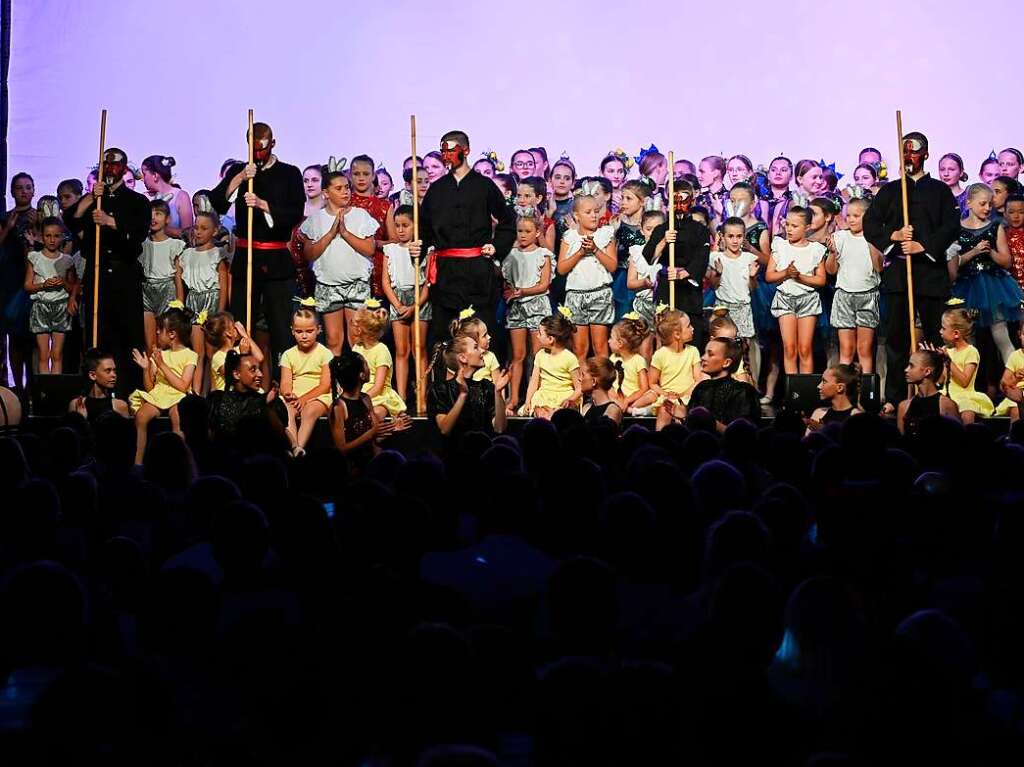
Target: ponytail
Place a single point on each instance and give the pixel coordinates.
(620, 375)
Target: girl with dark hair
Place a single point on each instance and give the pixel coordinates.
(455, 401)
(243, 400)
(156, 176)
(355, 428)
(555, 382)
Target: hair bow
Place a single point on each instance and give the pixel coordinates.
(176, 304)
(992, 155)
(634, 315)
(203, 204)
(831, 167)
(49, 208)
(493, 157)
(883, 170)
(652, 149)
(309, 302)
(525, 210)
(857, 192)
(661, 309)
(565, 311)
(799, 199)
(201, 319)
(620, 154)
(466, 313)
(336, 166)
(588, 187)
(654, 202)
(736, 209)
(955, 302)
(372, 304)
(719, 310)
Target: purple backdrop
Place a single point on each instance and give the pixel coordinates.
(803, 78)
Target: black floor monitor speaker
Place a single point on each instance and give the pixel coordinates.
(802, 392)
(871, 393)
(52, 393)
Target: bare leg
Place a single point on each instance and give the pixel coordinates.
(581, 342)
(57, 354)
(647, 348)
(599, 337)
(788, 330)
(1001, 337)
(771, 381)
(262, 339)
(311, 411)
(350, 327)
(847, 345)
(143, 416)
(175, 420)
(334, 330)
(198, 339)
(967, 416)
(518, 337)
(149, 328)
(43, 358)
(754, 357)
(866, 349)
(400, 331)
(805, 342)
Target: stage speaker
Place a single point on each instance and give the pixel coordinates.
(52, 393)
(802, 393)
(871, 393)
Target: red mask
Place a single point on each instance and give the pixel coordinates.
(114, 166)
(682, 202)
(453, 154)
(261, 149)
(914, 154)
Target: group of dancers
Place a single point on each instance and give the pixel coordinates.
(568, 277)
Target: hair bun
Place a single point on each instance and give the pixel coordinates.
(963, 178)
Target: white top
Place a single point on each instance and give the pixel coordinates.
(521, 268)
(45, 268)
(806, 260)
(339, 263)
(588, 273)
(735, 285)
(856, 273)
(400, 268)
(644, 270)
(199, 268)
(157, 258)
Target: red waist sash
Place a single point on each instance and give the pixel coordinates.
(256, 245)
(448, 253)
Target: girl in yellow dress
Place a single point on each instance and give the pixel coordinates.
(306, 375)
(675, 366)
(627, 337)
(957, 328)
(370, 323)
(469, 324)
(555, 382)
(224, 334)
(1012, 383)
(166, 375)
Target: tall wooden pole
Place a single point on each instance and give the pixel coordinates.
(96, 255)
(421, 404)
(248, 243)
(906, 222)
(672, 226)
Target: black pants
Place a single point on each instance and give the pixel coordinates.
(120, 320)
(462, 283)
(700, 330)
(897, 339)
(272, 293)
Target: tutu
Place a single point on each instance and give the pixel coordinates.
(761, 305)
(622, 295)
(994, 293)
(824, 326)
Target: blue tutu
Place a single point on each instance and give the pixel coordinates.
(994, 293)
(824, 326)
(622, 295)
(761, 306)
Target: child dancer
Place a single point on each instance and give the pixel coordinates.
(1015, 236)
(726, 398)
(978, 261)
(338, 241)
(222, 335)
(50, 281)
(734, 278)
(721, 326)
(588, 258)
(312, 185)
(924, 371)
(370, 322)
(457, 402)
(597, 379)
(159, 258)
(957, 329)
(167, 375)
(555, 382)
(100, 373)
(633, 390)
(628, 235)
(675, 366)
(469, 324)
(362, 173)
(532, 194)
(398, 283)
(839, 387)
(204, 271)
(857, 264)
(642, 277)
(305, 374)
(1012, 384)
(527, 274)
(354, 424)
(798, 268)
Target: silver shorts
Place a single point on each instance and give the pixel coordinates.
(743, 317)
(644, 306)
(528, 312)
(156, 294)
(805, 305)
(855, 310)
(591, 307)
(348, 295)
(197, 301)
(407, 297)
(49, 317)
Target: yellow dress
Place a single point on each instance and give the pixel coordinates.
(163, 395)
(306, 369)
(676, 370)
(376, 357)
(1014, 364)
(490, 365)
(965, 397)
(555, 378)
(217, 370)
(631, 369)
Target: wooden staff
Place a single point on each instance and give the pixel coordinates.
(96, 255)
(248, 243)
(672, 226)
(421, 404)
(906, 222)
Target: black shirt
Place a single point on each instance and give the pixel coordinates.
(936, 220)
(120, 246)
(477, 411)
(280, 185)
(457, 214)
(692, 254)
(727, 399)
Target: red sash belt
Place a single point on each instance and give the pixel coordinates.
(242, 243)
(448, 253)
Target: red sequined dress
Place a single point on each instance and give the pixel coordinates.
(378, 209)
(1015, 239)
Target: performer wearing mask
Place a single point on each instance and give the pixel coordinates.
(124, 223)
(934, 225)
(278, 201)
(455, 218)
